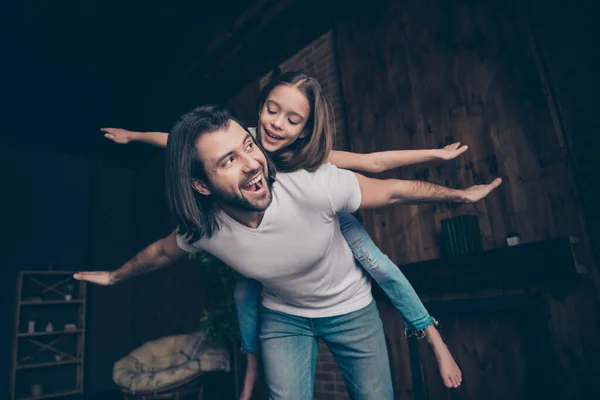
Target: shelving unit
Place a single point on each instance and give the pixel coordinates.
(49, 335)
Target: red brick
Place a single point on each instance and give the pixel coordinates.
(329, 387)
(319, 386)
(330, 367)
(340, 387)
(324, 377)
(325, 396)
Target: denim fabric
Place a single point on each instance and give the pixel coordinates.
(356, 341)
(385, 273)
(247, 294)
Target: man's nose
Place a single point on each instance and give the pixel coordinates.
(251, 163)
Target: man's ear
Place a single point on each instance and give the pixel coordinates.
(201, 187)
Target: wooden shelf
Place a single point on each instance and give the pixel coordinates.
(49, 364)
(32, 288)
(51, 395)
(50, 302)
(522, 267)
(25, 334)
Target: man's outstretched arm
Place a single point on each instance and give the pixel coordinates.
(159, 254)
(383, 192)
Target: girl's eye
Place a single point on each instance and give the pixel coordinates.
(270, 111)
(293, 122)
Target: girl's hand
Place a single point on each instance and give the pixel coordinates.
(118, 135)
(451, 151)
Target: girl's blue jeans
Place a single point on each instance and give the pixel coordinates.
(389, 277)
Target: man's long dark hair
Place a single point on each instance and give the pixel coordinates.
(195, 214)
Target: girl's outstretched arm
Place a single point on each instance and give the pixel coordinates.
(386, 160)
(123, 136)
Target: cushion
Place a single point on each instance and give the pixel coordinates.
(169, 361)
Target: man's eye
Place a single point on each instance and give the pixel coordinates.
(249, 146)
(228, 162)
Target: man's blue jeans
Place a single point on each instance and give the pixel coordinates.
(356, 341)
(371, 259)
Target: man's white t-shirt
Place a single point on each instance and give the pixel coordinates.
(298, 252)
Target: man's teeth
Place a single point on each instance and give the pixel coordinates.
(254, 181)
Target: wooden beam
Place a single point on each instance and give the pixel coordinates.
(526, 266)
(256, 17)
(265, 44)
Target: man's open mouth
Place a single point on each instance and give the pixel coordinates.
(255, 184)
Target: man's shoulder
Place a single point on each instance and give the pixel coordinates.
(185, 242)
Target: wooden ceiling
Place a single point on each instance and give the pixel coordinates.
(77, 66)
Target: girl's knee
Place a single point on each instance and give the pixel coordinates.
(246, 290)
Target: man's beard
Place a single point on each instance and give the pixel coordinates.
(239, 201)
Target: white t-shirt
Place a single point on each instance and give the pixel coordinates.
(298, 252)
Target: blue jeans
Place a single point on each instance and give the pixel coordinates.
(356, 341)
(371, 259)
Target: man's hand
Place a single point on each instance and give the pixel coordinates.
(475, 193)
(380, 193)
(103, 278)
(118, 135)
(159, 254)
(451, 151)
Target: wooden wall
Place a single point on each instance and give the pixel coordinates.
(567, 50)
(421, 74)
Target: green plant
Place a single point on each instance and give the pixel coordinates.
(219, 319)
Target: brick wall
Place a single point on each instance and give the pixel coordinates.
(319, 61)
(329, 384)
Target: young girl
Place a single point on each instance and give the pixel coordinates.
(296, 127)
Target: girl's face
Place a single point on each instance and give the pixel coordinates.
(283, 117)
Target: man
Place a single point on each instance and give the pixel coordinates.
(282, 231)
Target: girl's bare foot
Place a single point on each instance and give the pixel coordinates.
(451, 374)
(449, 370)
(250, 377)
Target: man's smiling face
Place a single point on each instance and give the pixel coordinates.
(236, 169)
